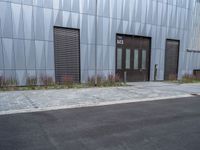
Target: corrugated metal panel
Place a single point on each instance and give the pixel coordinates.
(171, 59)
(67, 54)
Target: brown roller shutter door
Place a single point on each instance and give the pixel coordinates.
(67, 54)
(171, 59)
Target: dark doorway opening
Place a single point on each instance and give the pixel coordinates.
(67, 55)
(171, 59)
(133, 57)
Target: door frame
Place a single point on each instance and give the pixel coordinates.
(177, 71)
(137, 36)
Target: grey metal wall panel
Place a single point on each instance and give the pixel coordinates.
(40, 55)
(6, 19)
(48, 23)
(2, 73)
(38, 23)
(10, 74)
(84, 57)
(49, 54)
(28, 2)
(21, 77)
(17, 17)
(20, 61)
(58, 18)
(8, 53)
(30, 54)
(28, 22)
(38, 3)
(1, 56)
(91, 57)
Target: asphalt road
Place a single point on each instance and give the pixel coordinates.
(157, 125)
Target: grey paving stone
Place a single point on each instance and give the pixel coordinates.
(33, 100)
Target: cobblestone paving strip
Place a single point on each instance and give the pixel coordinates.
(25, 101)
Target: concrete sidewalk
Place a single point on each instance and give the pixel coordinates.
(31, 101)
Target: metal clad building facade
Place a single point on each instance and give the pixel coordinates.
(27, 34)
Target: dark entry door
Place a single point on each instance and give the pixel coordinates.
(133, 58)
(171, 59)
(67, 54)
